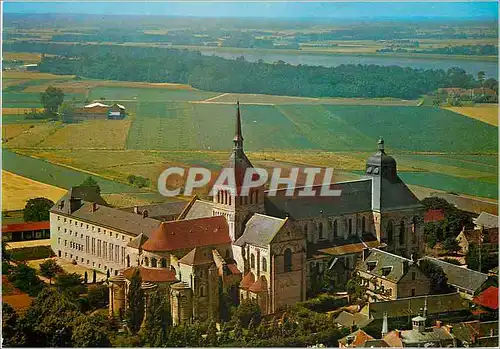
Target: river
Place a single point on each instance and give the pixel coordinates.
(333, 60)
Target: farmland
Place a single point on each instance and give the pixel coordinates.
(16, 190)
(487, 113)
(175, 125)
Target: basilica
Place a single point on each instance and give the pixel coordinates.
(258, 247)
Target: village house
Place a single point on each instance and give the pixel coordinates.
(486, 238)
(485, 221)
(99, 111)
(388, 276)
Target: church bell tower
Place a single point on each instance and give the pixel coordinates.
(227, 199)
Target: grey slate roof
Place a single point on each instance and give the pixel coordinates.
(112, 218)
(396, 195)
(433, 334)
(411, 306)
(355, 197)
(158, 210)
(383, 260)
(487, 220)
(260, 230)
(347, 319)
(468, 279)
(200, 209)
(75, 195)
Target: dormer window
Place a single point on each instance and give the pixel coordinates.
(371, 265)
(386, 271)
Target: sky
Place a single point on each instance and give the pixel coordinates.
(401, 10)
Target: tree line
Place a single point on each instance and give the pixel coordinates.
(154, 64)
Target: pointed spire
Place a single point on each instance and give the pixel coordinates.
(385, 326)
(424, 314)
(381, 145)
(238, 137)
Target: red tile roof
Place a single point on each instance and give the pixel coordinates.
(233, 268)
(27, 226)
(248, 280)
(434, 216)
(151, 274)
(259, 286)
(183, 234)
(488, 298)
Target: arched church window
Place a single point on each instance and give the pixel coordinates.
(363, 224)
(287, 260)
(154, 263)
(128, 261)
(402, 232)
(350, 226)
(335, 229)
(320, 230)
(414, 228)
(264, 264)
(230, 198)
(163, 263)
(146, 261)
(252, 261)
(390, 232)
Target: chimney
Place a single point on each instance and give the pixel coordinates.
(366, 252)
(93, 207)
(405, 267)
(438, 324)
(145, 214)
(136, 209)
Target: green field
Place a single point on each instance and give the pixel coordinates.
(171, 126)
(59, 176)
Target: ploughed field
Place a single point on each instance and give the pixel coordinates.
(177, 125)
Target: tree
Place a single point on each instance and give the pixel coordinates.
(246, 311)
(480, 259)
(438, 279)
(25, 278)
(98, 296)
(71, 284)
(49, 321)
(158, 320)
(51, 99)
(355, 288)
(66, 111)
(451, 245)
(135, 309)
(91, 182)
(480, 77)
(10, 326)
(37, 209)
(50, 269)
(85, 278)
(90, 331)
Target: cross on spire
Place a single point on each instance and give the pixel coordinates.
(381, 145)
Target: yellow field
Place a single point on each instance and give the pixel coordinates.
(23, 56)
(487, 113)
(92, 134)
(17, 111)
(33, 135)
(16, 190)
(13, 130)
(34, 75)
